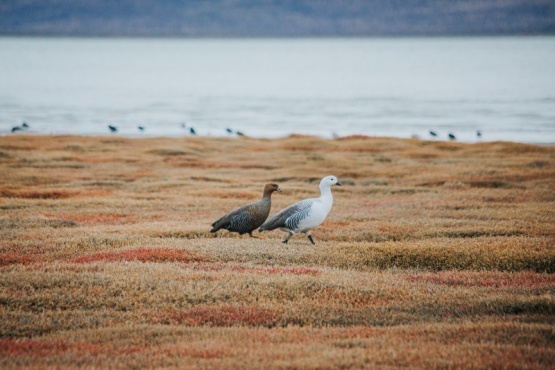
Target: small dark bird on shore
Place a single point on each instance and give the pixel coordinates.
(433, 133)
(113, 128)
(192, 131)
(141, 128)
(24, 126)
(230, 131)
(246, 219)
(451, 136)
(479, 133)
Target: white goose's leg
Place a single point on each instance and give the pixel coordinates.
(309, 235)
(288, 237)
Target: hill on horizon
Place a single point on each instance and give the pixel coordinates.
(274, 18)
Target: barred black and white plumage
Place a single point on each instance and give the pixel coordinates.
(305, 215)
(247, 218)
(290, 217)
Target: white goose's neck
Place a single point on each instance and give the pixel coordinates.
(326, 197)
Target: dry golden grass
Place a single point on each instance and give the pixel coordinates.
(435, 255)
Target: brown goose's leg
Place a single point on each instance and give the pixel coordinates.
(256, 237)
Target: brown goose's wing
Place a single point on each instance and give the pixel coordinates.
(225, 221)
(244, 219)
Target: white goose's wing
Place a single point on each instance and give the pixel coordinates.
(290, 217)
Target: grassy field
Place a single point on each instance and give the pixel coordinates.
(435, 255)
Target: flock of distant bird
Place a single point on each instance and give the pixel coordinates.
(113, 129)
(452, 136)
(24, 126)
(192, 130)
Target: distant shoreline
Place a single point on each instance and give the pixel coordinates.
(285, 137)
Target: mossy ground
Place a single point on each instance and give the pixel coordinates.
(435, 255)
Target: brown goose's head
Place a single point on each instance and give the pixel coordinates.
(270, 188)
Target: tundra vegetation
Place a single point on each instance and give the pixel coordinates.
(435, 254)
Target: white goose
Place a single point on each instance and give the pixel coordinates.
(305, 215)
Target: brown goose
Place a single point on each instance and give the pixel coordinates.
(249, 217)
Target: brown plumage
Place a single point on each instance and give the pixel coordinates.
(246, 219)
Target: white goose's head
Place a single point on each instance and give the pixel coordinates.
(329, 181)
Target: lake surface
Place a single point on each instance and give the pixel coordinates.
(401, 87)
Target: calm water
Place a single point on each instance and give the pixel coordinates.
(504, 87)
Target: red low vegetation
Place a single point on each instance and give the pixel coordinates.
(10, 258)
(19, 347)
(140, 255)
